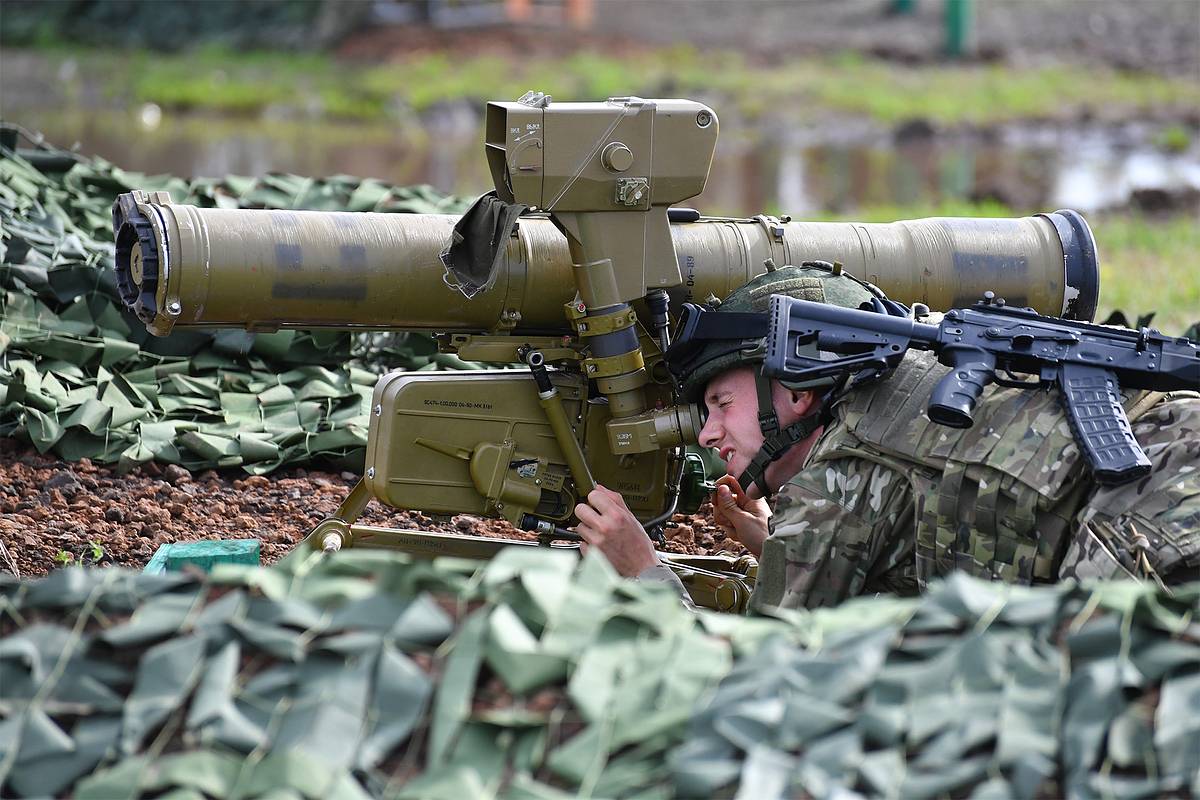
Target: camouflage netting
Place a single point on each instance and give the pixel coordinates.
(81, 378)
(543, 677)
(976, 690)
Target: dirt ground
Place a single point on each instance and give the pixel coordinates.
(51, 510)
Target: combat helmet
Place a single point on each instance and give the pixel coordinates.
(722, 335)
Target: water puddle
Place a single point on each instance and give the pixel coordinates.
(775, 166)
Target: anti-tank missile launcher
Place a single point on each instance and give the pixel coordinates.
(186, 266)
(578, 288)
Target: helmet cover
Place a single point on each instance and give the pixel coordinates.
(815, 283)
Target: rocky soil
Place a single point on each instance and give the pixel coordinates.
(53, 512)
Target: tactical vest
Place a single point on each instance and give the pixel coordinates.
(995, 500)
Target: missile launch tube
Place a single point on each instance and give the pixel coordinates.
(182, 265)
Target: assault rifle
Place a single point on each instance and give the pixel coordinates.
(1088, 363)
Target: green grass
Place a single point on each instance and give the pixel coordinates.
(1147, 263)
(1150, 265)
(1174, 138)
(246, 82)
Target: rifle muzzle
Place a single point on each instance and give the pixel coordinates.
(182, 265)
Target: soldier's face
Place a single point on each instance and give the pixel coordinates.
(732, 427)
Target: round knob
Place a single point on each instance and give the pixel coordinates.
(617, 157)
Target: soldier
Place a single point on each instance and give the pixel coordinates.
(871, 496)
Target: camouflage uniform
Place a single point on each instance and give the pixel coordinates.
(888, 500)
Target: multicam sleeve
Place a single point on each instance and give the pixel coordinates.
(841, 527)
(1149, 528)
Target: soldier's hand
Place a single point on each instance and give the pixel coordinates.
(607, 524)
(744, 519)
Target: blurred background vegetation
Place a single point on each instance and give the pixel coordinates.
(857, 109)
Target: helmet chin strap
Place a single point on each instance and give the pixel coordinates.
(776, 442)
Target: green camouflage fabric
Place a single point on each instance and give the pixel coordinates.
(543, 677)
(363, 675)
(79, 377)
(888, 500)
(977, 690)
